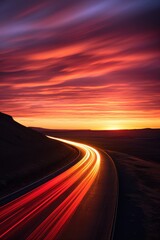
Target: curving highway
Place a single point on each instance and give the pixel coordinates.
(43, 212)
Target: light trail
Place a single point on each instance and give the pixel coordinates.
(43, 212)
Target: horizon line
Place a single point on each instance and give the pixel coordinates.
(64, 129)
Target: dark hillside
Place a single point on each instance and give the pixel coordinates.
(26, 155)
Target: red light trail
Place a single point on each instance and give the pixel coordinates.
(43, 212)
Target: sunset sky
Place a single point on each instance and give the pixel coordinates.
(80, 64)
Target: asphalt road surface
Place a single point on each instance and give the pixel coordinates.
(79, 203)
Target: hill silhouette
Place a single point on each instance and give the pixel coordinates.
(26, 155)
